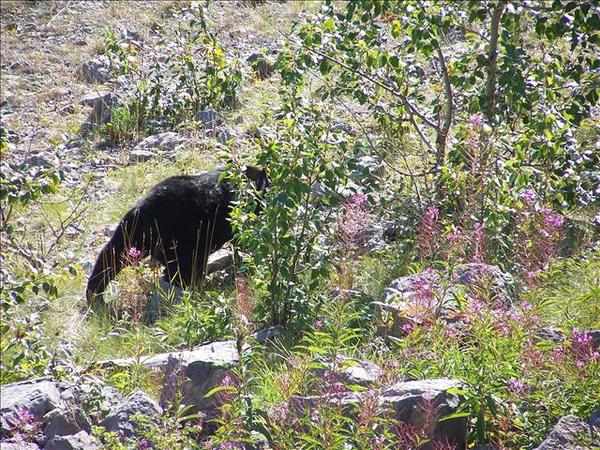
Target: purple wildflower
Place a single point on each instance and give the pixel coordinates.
(528, 197)
(517, 387)
(132, 256)
(552, 220)
(582, 348)
(354, 224)
(429, 230)
(478, 243)
(476, 120)
(243, 301)
(331, 386)
(423, 290)
(407, 328)
(359, 200)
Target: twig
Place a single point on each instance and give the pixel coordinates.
(58, 13)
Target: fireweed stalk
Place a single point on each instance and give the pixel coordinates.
(352, 231)
(538, 233)
(233, 397)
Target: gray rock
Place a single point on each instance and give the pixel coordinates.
(551, 334)
(38, 160)
(10, 445)
(401, 296)
(595, 335)
(140, 155)
(220, 260)
(422, 403)
(352, 371)
(209, 117)
(37, 397)
(79, 441)
(168, 141)
(370, 167)
(203, 369)
(223, 136)
(343, 127)
(267, 334)
(501, 284)
(119, 418)
(211, 364)
(96, 70)
(103, 104)
(566, 434)
(64, 422)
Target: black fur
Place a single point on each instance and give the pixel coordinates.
(181, 221)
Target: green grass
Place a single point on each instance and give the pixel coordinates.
(570, 296)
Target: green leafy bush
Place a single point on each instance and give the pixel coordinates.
(185, 77)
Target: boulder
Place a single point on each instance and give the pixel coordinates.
(594, 423)
(268, 333)
(422, 403)
(103, 104)
(566, 435)
(136, 156)
(352, 371)
(168, 141)
(501, 284)
(10, 445)
(419, 404)
(64, 422)
(220, 260)
(209, 117)
(119, 418)
(203, 369)
(408, 299)
(224, 136)
(35, 397)
(79, 441)
(369, 167)
(96, 70)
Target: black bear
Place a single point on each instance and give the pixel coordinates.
(179, 223)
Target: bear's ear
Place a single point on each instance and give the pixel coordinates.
(259, 176)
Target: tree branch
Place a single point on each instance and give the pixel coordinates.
(409, 106)
(492, 60)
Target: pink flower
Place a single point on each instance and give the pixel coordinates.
(354, 224)
(243, 300)
(428, 236)
(478, 243)
(423, 289)
(476, 120)
(552, 221)
(359, 200)
(528, 196)
(331, 385)
(516, 387)
(582, 348)
(368, 409)
(132, 256)
(407, 328)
